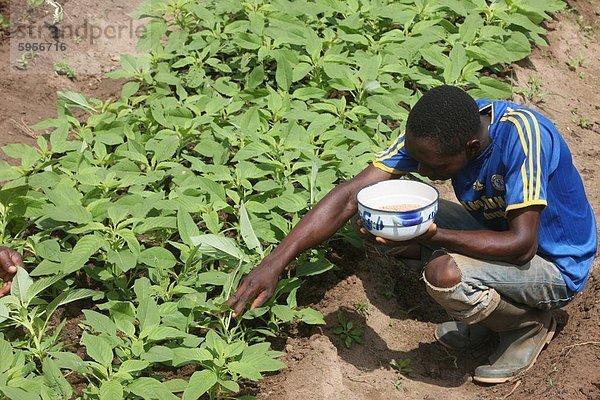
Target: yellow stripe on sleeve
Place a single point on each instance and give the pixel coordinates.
(386, 152)
(391, 154)
(529, 150)
(538, 146)
(519, 130)
(385, 168)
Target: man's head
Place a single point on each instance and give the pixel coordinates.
(442, 132)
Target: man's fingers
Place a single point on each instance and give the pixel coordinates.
(232, 301)
(243, 300)
(260, 299)
(7, 264)
(16, 259)
(4, 290)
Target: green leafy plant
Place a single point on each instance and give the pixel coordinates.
(346, 331)
(363, 308)
(63, 68)
(402, 368)
(533, 91)
(576, 62)
(23, 309)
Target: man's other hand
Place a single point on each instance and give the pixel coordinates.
(9, 261)
(259, 285)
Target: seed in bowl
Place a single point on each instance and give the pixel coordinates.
(401, 207)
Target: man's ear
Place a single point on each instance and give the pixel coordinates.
(472, 147)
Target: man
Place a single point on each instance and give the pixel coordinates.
(523, 244)
(9, 261)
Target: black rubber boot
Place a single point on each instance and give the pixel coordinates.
(458, 335)
(523, 334)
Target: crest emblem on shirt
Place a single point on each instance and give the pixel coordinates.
(498, 182)
(478, 186)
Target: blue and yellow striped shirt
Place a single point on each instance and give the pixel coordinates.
(528, 163)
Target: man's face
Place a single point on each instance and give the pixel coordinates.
(432, 162)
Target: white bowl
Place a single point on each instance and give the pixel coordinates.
(397, 225)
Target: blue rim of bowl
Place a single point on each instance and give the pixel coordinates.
(437, 192)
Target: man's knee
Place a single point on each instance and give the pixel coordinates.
(441, 271)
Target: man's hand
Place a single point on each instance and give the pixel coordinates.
(259, 285)
(9, 261)
(431, 231)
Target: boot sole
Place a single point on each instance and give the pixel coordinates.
(549, 337)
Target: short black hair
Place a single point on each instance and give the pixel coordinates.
(446, 114)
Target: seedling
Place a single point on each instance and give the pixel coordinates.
(63, 68)
(26, 59)
(576, 62)
(363, 308)
(402, 368)
(346, 331)
(4, 23)
(532, 92)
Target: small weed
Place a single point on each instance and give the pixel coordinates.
(362, 308)
(26, 59)
(532, 91)
(4, 22)
(63, 68)
(580, 121)
(347, 332)
(577, 62)
(402, 368)
(34, 3)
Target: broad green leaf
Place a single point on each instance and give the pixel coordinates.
(7, 172)
(14, 393)
(147, 313)
(244, 370)
(98, 348)
(157, 257)
(284, 313)
(111, 390)
(6, 355)
(290, 202)
(75, 100)
(456, 62)
(70, 296)
(133, 365)
(283, 73)
(68, 213)
(54, 379)
(491, 88)
(247, 231)
(218, 245)
(311, 317)
(20, 285)
(314, 268)
(149, 388)
(200, 383)
(41, 284)
(100, 322)
(81, 253)
(187, 227)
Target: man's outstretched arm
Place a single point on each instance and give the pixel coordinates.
(318, 225)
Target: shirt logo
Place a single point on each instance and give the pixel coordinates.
(498, 182)
(478, 186)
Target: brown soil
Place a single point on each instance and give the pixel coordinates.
(383, 297)
(29, 95)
